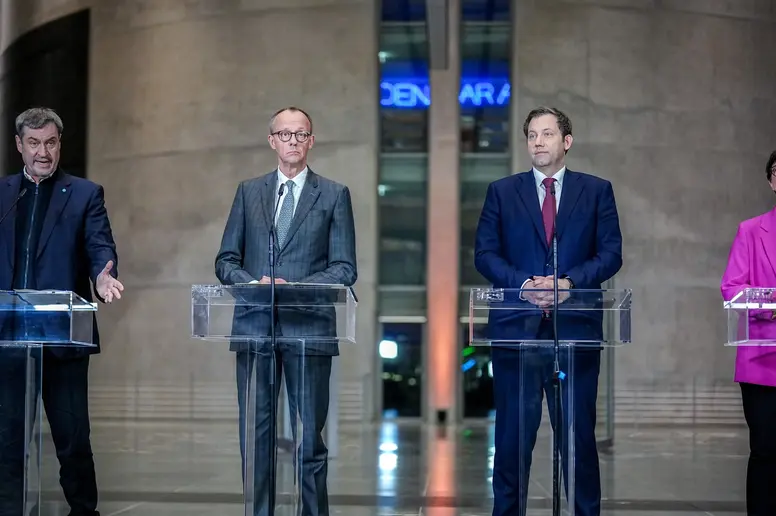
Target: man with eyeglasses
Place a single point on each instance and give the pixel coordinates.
(315, 243)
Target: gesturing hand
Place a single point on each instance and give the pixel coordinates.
(107, 286)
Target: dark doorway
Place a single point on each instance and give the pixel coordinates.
(49, 67)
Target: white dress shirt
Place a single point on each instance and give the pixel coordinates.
(558, 176)
(299, 181)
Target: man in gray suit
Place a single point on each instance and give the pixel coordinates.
(316, 243)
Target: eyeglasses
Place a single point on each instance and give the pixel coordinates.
(301, 136)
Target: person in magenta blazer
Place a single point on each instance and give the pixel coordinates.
(752, 263)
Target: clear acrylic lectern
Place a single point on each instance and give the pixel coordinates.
(29, 321)
(751, 319)
(519, 326)
(311, 322)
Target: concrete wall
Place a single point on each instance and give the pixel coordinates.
(180, 98)
(673, 102)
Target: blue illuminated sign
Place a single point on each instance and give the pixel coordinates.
(415, 93)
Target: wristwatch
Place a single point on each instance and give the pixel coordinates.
(571, 283)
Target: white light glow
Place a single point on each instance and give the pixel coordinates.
(388, 349)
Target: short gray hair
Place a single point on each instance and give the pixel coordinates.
(36, 118)
(292, 109)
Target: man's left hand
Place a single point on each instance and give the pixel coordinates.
(107, 286)
(564, 284)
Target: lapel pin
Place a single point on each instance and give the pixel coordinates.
(64, 190)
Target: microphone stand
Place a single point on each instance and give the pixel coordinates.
(557, 374)
(273, 413)
(13, 205)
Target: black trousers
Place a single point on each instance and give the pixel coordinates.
(760, 413)
(64, 390)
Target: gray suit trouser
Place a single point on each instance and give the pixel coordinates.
(307, 384)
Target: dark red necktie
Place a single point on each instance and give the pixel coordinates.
(548, 208)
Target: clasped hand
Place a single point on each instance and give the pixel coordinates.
(265, 280)
(543, 296)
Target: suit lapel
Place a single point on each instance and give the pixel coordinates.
(59, 197)
(268, 198)
(10, 192)
(768, 238)
(307, 199)
(526, 188)
(572, 188)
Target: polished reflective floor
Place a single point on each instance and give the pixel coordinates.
(192, 468)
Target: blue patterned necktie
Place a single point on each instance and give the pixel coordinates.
(286, 214)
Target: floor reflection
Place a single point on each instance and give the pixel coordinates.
(399, 468)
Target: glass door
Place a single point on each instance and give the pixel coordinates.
(400, 352)
(476, 375)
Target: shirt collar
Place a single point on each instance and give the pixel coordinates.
(31, 179)
(299, 180)
(558, 176)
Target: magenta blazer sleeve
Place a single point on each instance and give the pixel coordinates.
(738, 273)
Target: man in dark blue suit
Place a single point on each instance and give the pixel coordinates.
(56, 236)
(513, 250)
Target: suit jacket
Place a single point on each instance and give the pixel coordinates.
(511, 247)
(76, 242)
(320, 247)
(752, 264)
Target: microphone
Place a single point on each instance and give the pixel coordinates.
(272, 345)
(277, 204)
(557, 374)
(553, 235)
(272, 227)
(13, 205)
(554, 218)
(554, 241)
